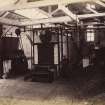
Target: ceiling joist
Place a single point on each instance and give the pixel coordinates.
(9, 22)
(100, 3)
(92, 10)
(5, 14)
(43, 12)
(38, 4)
(21, 1)
(60, 19)
(90, 15)
(49, 20)
(68, 12)
(22, 4)
(52, 13)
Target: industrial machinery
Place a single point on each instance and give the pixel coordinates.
(13, 60)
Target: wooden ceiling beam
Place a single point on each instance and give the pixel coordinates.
(55, 11)
(100, 3)
(37, 4)
(5, 14)
(60, 19)
(91, 15)
(68, 12)
(92, 10)
(9, 22)
(48, 20)
(43, 12)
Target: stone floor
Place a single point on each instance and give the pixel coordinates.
(19, 92)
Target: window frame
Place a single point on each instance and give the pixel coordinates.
(90, 34)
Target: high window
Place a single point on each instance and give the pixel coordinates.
(90, 35)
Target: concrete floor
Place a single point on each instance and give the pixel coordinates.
(19, 92)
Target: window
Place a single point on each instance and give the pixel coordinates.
(90, 36)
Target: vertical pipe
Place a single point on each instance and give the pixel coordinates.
(31, 50)
(1, 56)
(61, 43)
(33, 47)
(58, 49)
(67, 45)
(31, 55)
(1, 30)
(78, 35)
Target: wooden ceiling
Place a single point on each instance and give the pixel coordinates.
(52, 11)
